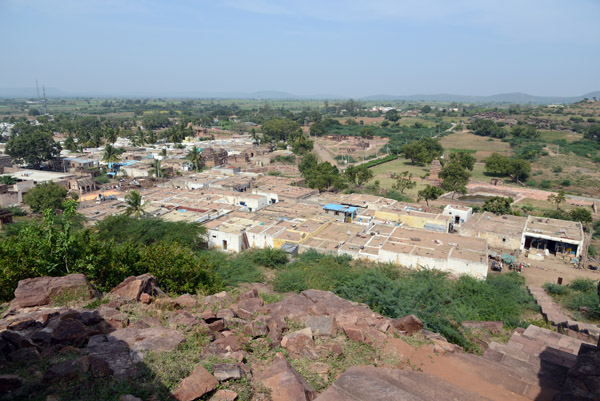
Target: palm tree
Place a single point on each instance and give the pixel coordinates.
(134, 205)
(111, 155)
(195, 158)
(157, 168)
(111, 134)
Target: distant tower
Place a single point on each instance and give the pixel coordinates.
(45, 100)
(258, 102)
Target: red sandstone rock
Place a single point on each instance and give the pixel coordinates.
(133, 287)
(410, 324)
(47, 290)
(195, 385)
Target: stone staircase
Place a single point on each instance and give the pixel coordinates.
(533, 364)
(554, 314)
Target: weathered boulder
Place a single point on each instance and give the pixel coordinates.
(219, 300)
(217, 325)
(195, 385)
(41, 291)
(185, 320)
(246, 308)
(146, 298)
(222, 346)
(70, 331)
(224, 395)
(150, 339)
(133, 287)
(322, 325)
(117, 354)
(25, 356)
(112, 319)
(300, 343)
(63, 371)
(227, 371)
(256, 328)
(410, 324)
(186, 301)
(10, 384)
(285, 383)
(95, 366)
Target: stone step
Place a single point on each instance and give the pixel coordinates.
(524, 383)
(553, 339)
(371, 383)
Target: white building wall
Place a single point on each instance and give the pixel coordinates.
(216, 238)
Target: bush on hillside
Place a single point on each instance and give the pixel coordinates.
(269, 257)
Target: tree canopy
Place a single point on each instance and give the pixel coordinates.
(498, 205)
(45, 196)
(32, 145)
(423, 151)
(430, 193)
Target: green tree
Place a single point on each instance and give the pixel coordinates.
(582, 215)
(111, 155)
(279, 129)
(46, 196)
(308, 161)
(157, 168)
(455, 177)
(426, 109)
(517, 169)
(111, 134)
(593, 132)
(195, 158)
(134, 204)
(464, 159)
(367, 132)
(423, 151)
(487, 128)
(392, 115)
(430, 193)
(557, 198)
(363, 175)
(498, 205)
(301, 144)
(403, 181)
(32, 146)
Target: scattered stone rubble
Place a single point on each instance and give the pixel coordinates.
(111, 342)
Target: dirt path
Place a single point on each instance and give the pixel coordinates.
(323, 154)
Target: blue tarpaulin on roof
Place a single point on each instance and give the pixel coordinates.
(340, 208)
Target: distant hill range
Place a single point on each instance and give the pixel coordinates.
(515, 98)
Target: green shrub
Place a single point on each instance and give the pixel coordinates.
(582, 284)
(234, 270)
(555, 289)
(442, 303)
(17, 211)
(546, 184)
(269, 257)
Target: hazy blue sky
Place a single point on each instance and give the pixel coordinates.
(347, 48)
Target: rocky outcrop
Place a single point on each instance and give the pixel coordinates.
(42, 291)
(132, 288)
(195, 385)
(409, 324)
(285, 383)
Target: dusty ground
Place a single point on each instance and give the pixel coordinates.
(550, 269)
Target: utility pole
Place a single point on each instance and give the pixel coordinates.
(45, 100)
